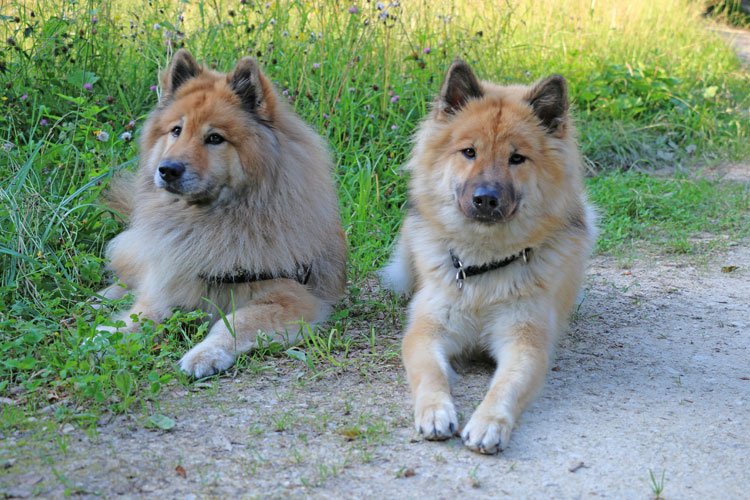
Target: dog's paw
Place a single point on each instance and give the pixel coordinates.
(487, 434)
(204, 360)
(436, 420)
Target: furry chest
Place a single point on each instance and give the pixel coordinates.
(465, 316)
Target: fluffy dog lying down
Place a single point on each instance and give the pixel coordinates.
(493, 247)
(233, 202)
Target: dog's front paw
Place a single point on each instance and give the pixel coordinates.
(435, 418)
(205, 359)
(487, 434)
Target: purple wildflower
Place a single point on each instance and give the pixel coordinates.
(316, 65)
(394, 127)
(24, 97)
(152, 88)
(87, 86)
(43, 122)
(426, 50)
(325, 115)
(94, 20)
(395, 98)
(351, 89)
(353, 10)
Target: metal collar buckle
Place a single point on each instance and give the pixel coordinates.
(460, 274)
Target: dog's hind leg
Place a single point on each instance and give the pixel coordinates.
(143, 308)
(276, 311)
(427, 369)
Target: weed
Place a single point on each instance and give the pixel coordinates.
(657, 486)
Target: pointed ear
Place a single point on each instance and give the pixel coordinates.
(252, 87)
(549, 100)
(459, 86)
(181, 69)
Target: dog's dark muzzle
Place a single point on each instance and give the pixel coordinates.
(488, 202)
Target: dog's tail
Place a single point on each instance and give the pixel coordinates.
(120, 195)
(398, 275)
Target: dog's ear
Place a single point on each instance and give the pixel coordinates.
(549, 100)
(181, 69)
(459, 86)
(252, 87)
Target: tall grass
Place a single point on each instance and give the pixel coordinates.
(650, 85)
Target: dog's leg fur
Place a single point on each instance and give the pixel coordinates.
(275, 311)
(427, 369)
(144, 308)
(522, 354)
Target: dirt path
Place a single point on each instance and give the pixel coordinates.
(737, 38)
(654, 375)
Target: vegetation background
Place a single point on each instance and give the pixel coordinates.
(653, 91)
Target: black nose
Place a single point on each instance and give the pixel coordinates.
(485, 199)
(170, 170)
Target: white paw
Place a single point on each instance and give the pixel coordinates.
(487, 434)
(206, 359)
(436, 418)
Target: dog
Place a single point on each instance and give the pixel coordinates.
(233, 211)
(493, 247)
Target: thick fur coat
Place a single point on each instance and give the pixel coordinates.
(231, 182)
(495, 170)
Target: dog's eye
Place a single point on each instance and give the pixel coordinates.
(214, 139)
(516, 159)
(176, 131)
(470, 153)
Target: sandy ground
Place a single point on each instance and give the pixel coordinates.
(654, 375)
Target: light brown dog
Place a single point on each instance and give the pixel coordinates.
(494, 247)
(233, 202)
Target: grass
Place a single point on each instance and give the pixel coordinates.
(651, 88)
(657, 485)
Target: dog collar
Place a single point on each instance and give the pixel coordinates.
(300, 275)
(463, 272)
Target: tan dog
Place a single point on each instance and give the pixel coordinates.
(494, 247)
(233, 201)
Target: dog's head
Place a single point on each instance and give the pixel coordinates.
(211, 133)
(489, 151)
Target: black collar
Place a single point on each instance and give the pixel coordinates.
(464, 272)
(300, 275)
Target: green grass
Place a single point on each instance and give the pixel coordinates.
(667, 212)
(651, 88)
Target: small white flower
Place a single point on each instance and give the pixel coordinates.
(125, 136)
(157, 26)
(273, 22)
(380, 6)
(102, 136)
